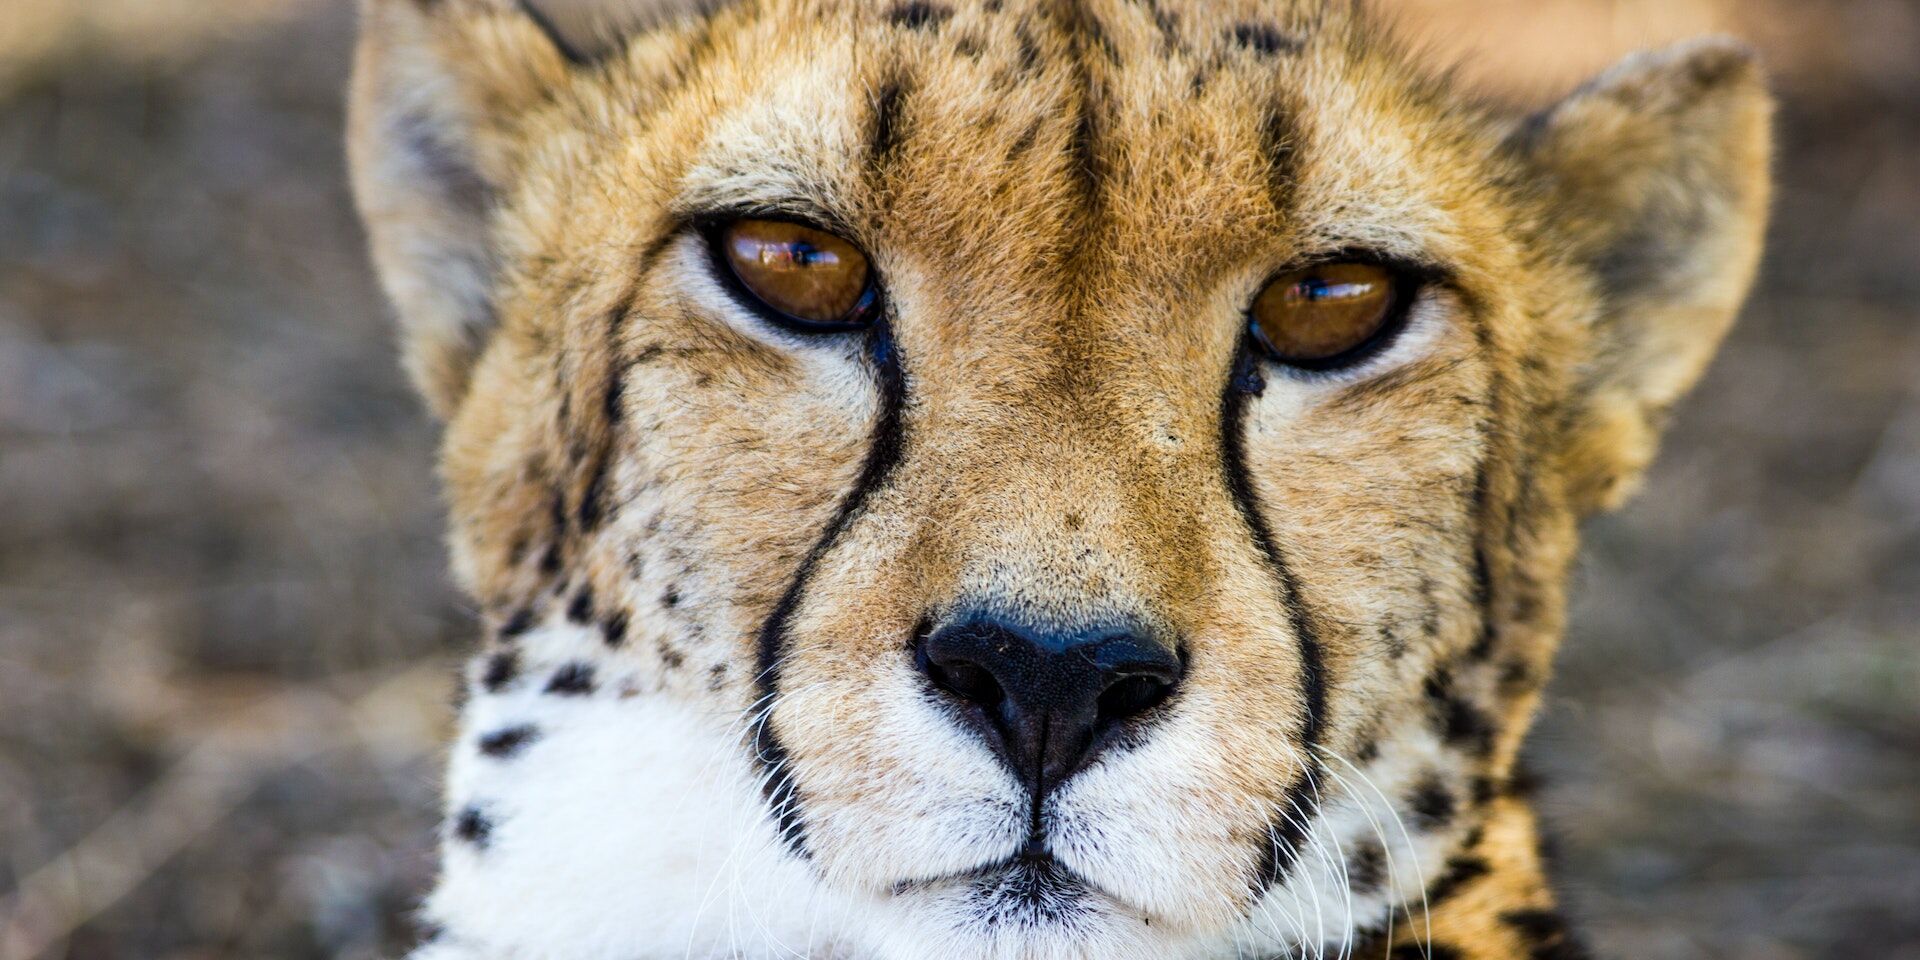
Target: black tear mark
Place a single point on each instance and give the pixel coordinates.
(918, 15)
(1244, 382)
(1461, 870)
(1457, 720)
(883, 453)
(613, 630)
(501, 670)
(1431, 803)
(580, 611)
(508, 741)
(473, 827)
(1264, 39)
(573, 680)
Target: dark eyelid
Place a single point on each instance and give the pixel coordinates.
(805, 214)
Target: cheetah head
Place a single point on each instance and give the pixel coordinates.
(1018, 478)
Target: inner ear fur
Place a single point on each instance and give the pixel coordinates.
(1654, 179)
(437, 87)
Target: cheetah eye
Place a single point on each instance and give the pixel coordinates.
(808, 279)
(1330, 315)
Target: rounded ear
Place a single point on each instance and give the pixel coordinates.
(1656, 179)
(437, 86)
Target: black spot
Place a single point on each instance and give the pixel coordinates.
(671, 598)
(593, 500)
(884, 138)
(614, 630)
(1088, 167)
(1482, 580)
(918, 15)
(1367, 752)
(717, 677)
(1431, 951)
(506, 742)
(581, 609)
(1094, 32)
(1546, 935)
(502, 667)
(1029, 51)
(573, 680)
(611, 404)
(1432, 804)
(517, 624)
(1461, 870)
(1480, 788)
(1367, 867)
(473, 827)
(670, 655)
(1264, 39)
(1516, 677)
(550, 559)
(1522, 781)
(1279, 141)
(1459, 722)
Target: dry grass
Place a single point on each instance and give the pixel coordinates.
(224, 626)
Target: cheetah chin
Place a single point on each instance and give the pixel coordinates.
(1032, 479)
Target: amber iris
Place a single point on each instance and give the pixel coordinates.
(802, 273)
(1320, 316)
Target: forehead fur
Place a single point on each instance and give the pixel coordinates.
(1267, 119)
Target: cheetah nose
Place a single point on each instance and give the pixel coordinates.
(1047, 701)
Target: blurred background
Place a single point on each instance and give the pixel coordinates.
(226, 636)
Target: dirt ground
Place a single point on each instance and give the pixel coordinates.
(226, 634)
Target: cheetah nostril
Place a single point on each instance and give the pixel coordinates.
(967, 681)
(1133, 695)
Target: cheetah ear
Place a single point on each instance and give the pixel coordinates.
(1658, 181)
(436, 88)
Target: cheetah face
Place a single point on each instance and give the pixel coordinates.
(1105, 470)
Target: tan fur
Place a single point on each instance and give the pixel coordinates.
(1066, 334)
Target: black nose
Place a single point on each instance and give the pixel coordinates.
(1048, 701)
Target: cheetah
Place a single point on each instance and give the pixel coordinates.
(1032, 479)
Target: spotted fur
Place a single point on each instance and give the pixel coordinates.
(705, 545)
